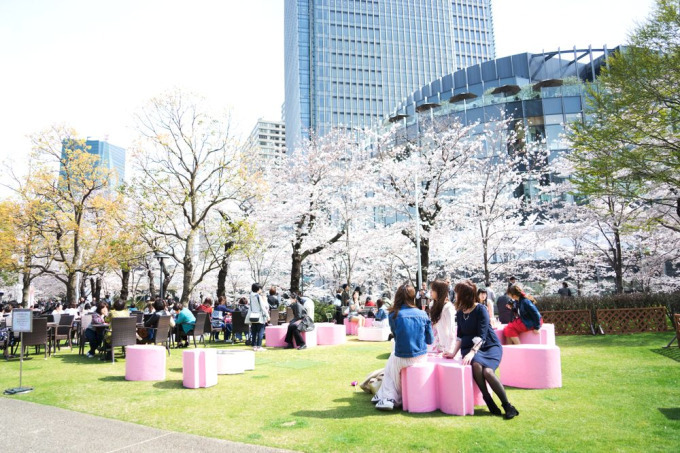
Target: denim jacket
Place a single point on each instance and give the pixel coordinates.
(412, 331)
(529, 314)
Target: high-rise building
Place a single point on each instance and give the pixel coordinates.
(268, 139)
(111, 157)
(348, 62)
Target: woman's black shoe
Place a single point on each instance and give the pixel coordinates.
(510, 411)
(491, 404)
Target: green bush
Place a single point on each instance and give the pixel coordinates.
(638, 300)
(320, 311)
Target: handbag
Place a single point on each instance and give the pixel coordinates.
(306, 324)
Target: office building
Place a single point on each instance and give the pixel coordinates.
(267, 140)
(111, 157)
(349, 62)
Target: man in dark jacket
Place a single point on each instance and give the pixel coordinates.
(293, 332)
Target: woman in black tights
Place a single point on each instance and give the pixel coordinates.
(479, 346)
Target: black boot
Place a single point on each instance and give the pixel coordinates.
(491, 404)
(510, 411)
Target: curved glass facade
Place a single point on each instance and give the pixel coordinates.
(544, 91)
(348, 62)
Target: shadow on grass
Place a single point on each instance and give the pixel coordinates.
(169, 385)
(177, 370)
(359, 406)
(672, 353)
(384, 356)
(112, 378)
(671, 413)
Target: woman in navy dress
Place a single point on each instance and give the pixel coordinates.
(479, 346)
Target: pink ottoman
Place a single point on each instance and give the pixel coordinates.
(351, 327)
(368, 322)
(419, 387)
(455, 388)
(374, 333)
(199, 368)
(329, 333)
(309, 337)
(531, 366)
(545, 336)
(275, 336)
(499, 333)
(145, 363)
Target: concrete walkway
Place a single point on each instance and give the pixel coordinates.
(30, 427)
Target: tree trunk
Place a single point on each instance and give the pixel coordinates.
(25, 289)
(222, 278)
(487, 274)
(424, 257)
(166, 279)
(618, 263)
(93, 290)
(152, 283)
(124, 284)
(188, 267)
(295, 271)
(71, 288)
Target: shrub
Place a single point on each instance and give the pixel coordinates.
(638, 300)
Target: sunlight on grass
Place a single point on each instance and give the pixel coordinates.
(620, 394)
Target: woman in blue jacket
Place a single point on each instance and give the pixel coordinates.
(412, 332)
(529, 317)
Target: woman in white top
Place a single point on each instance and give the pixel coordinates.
(443, 317)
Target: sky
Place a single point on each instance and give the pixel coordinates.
(91, 64)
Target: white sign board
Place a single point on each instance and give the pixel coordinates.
(22, 320)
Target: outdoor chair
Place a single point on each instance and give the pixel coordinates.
(64, 330)
(274, 316)
(138, 315)
(238, 325)
(162, 332)
(199, 327)
(85, 322)
(123, 333)
(36, 338)
(215, 317)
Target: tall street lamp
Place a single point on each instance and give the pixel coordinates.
(160, 257)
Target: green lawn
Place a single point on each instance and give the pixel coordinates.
(621, 393)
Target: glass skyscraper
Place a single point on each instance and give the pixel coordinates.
(110, 156)
(348, 62)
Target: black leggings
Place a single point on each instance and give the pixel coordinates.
(484, 375)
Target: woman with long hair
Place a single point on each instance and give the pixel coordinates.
(354, 307)
(443, 317)
(412, 332)
(529, 317)
(479, 346)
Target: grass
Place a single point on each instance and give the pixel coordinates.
(620, 393)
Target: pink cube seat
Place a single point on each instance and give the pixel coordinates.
(531, 366)
(275, 336)
(353, 327)
(329, 334)
(246, 357)
(374, 333)
(442, 384)
(145, 363)
(545, 336)
(199, 368)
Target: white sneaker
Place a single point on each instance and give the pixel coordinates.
(385, 405)
(375, 399)
(90, 356)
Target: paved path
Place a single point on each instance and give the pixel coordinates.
(37, 428)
